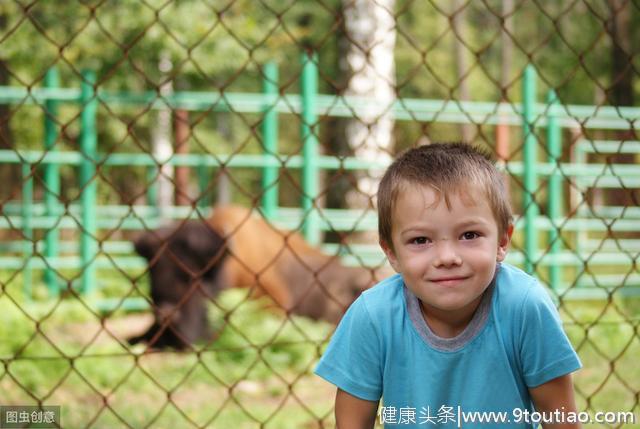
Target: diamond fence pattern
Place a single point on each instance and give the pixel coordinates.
(120, 121)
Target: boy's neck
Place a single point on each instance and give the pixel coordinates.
(449, 324)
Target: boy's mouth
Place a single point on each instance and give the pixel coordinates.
(448, 281)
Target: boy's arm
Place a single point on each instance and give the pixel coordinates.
(353, 412)
(553, 395)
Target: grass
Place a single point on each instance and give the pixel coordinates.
(607, 338)
(258, 373)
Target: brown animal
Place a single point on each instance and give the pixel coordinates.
(282, 265)
(184, 267)
(237, 248)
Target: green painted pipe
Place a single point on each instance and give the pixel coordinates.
(581, 237)
(270, 141)
(620, 173)
(310, 171)
(27, 229)
(88, 181)
(152, 184)
(51, 180)
(554, 205)
(203, 174)
(405, 109)
(530, 160)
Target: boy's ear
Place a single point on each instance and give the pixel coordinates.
(503, 243)
(391, 256)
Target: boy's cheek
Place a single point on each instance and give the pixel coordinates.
(393, 261)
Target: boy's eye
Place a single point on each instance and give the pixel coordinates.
(420, 240)
(470, 235)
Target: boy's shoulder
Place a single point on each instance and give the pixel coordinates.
(385, 294)
(509, 276)
(517, 289)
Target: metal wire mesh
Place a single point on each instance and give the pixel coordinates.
(119, 118)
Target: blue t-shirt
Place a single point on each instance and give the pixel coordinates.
(384, 348)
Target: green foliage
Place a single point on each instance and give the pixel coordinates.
(222, 47)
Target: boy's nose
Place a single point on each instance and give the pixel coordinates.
(446, 254)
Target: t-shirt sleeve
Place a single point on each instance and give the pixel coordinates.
(353, 359)
(545, 351)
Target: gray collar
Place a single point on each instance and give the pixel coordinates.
(449, 344)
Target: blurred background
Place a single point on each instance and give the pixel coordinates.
(118, 117)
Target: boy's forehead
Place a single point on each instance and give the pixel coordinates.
(469, 194)
(413, 199)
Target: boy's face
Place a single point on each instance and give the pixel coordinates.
(447, 256)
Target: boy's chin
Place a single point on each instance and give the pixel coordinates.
(452, 302)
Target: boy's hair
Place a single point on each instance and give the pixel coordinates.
(445, 167)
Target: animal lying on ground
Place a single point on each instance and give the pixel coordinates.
(185, 261)
(236, 247)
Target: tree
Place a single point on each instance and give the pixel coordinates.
(371, 34)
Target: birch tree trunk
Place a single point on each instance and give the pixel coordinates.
(370, 30)
(181, 131)
(162, 149)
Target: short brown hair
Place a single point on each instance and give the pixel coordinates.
(445, 167)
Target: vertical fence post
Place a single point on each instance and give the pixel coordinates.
(311, 227)
(152, 188)
(202, 171)
(27, 229)
(580, 158)
(530, 158)
(52, 183)
(270, 140)
(88, 180)
(554, 206)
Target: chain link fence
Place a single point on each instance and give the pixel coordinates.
(121, 120)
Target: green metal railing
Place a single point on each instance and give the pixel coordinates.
(270, 142)
(554, 206)
(309, 105)
(88, 180)
(51, 179)
(310, 168)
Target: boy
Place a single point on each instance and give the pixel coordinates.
(455, 332)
